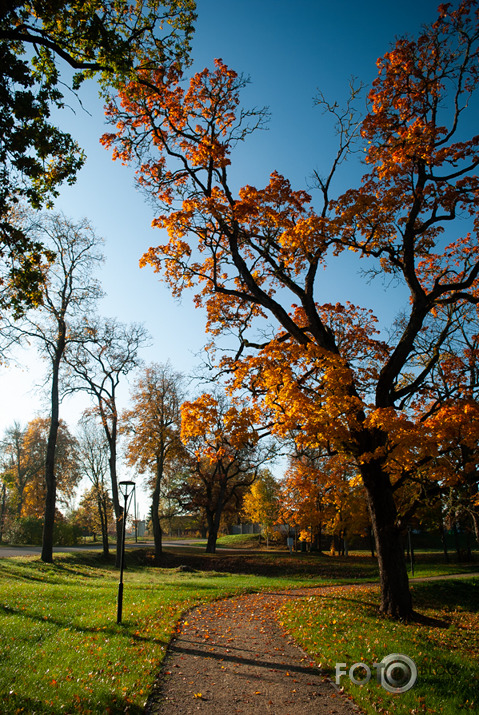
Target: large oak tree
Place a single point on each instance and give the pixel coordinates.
(257, 256)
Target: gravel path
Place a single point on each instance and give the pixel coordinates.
(231, 656)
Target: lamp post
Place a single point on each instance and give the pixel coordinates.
(126, 490)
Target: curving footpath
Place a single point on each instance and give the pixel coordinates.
(231, 656)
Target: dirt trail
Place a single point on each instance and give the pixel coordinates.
(231, 656)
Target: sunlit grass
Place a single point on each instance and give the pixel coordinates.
(60, 647)
(344, 627)
(61, 650)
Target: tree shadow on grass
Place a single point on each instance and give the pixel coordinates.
(105, 702)
(110, 630)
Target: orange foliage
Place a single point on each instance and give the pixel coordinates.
(322, 372)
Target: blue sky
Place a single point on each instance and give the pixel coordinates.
(289, 50)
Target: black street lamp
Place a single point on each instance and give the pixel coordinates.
(126, 489)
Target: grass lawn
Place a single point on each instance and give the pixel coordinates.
(344, 627)
(61, 650)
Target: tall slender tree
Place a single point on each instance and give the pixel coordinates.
(70, 291)
(93, 455)
(107, 351)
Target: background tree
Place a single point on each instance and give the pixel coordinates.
(259, 255)
(108, 40)
(94, 512)
(93, 455)
(15, 462)
(225, 457)
(261, 503)
(153, 426)
(107, 352)
(6, 482)
(34, 450)
(69, 292)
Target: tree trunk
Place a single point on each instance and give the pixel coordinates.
(371, 541)
(155, 521)
(456, 543)
(103, 513)
(395, 595)
(475, 521)
(444, 542)
(117, 508)
(50, 477)
(213, 519)
(3, 509)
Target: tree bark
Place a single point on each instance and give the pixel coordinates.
(50, 476)
(103, 513)
(155, 514)
(111, 437)
(395, 595)
(3, 509)
(213, 526)
(444, 542)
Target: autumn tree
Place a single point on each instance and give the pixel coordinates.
(17, 464)
(95, 512)
(29, 485)
(93, 453)
(69, 291)
(261, 503)
(225, 454)
(258, 255)
(104, 354)
(44, 47)
(153, 426)
(6, 480)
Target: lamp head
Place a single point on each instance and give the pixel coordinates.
(126, 488)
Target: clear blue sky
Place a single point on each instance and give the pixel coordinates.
(289, 50)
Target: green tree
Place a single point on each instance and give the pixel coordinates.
(105, 39)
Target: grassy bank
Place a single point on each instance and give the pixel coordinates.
(443, 641)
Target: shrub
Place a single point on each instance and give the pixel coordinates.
(29, 530)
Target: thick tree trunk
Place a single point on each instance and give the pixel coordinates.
(213, 519)
(395, 595)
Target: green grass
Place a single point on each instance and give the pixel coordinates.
(61, 650)
(443, 641)
(239, 541)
